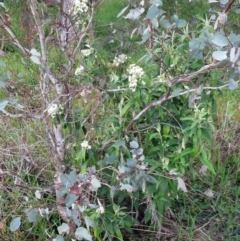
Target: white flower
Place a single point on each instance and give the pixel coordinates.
(135, 74)
(79, 70)
(80, 6)
(86, 52)
(100, 209)
(85, 144)
(119, 60)
(52, 110)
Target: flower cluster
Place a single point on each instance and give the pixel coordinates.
(54, 109)
(79, 70)
(119, 60)
(88, 51)
(135, 74)
(85, 145)
(80, 6)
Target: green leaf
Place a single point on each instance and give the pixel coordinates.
(82, 233)
(15, 224)
(126, 108)
(118, 232)
(183, 153)
(119, 144)
(206, 162)
(176, 92)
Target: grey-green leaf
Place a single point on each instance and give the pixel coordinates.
(134, 144)
(63, 228)
(70, 198)
(15, 224)
(122, 11)
(165, 23)
(3, 104)
(152, 12)
(156, 2)
(176, 92)
(232, 84)
(59, 238)
(219, 55)
(2, 64)
(81, 233)
(181, 23)
(134, 13)
(32, 215)
(220, 40)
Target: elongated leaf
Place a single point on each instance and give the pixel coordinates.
(2, 4)
(122, 11)
(134, 13)
(206, 162)
(181, 184)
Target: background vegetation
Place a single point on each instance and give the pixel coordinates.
(170, 175)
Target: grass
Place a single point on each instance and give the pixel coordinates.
(193, 216)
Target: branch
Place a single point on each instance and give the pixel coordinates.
(27, 116)
(12, 34)
(164, 99)
(187, 77)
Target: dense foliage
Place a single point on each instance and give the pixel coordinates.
(121, 116)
